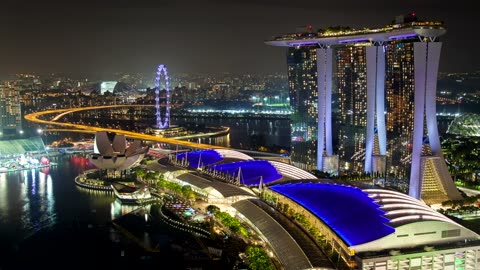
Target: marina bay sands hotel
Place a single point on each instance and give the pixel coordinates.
(364, 101)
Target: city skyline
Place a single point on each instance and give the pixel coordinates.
(197, 36)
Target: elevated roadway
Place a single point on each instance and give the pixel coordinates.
(56, 115)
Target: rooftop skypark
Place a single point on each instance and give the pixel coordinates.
(404, 27)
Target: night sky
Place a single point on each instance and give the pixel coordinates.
(101, 36)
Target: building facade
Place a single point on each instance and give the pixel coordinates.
(376, 103)
(351, 109)
(302, 83)
(10, 113)
(378, 229)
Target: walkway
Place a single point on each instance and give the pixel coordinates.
(291, 244)
(469, 191)
(310, 248)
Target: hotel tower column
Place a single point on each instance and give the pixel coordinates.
(429, 173)
(326, 161)
(375, 160)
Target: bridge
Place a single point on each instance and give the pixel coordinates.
(70, 127)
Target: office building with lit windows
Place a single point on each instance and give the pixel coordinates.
(375, 109)
(10, 113)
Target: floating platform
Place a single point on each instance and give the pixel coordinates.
(130, 194)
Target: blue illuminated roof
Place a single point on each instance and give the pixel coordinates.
(206, 157)
(347, 210)
(251, 171)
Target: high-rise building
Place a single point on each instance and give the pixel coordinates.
(302, 82)
(10, 113)
(376, 111)
(351, 107)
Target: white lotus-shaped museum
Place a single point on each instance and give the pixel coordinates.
(116, 154)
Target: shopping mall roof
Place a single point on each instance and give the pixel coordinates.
(198, 159)
(250, 172)
(349, 211)
(374, 219)
(224, 189)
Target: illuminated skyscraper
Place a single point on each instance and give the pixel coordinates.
(383, 84)
(302, 82)
(351, 120)
(10, 113)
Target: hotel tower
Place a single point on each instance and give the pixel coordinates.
(364, 102)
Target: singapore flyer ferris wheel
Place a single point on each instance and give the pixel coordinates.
(165, 122)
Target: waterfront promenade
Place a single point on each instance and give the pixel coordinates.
(278, 235)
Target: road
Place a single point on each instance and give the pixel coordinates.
(69, 127)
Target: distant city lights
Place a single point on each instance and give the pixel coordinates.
(268, 112)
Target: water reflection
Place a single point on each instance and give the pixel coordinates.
(117, 209)
(243, 131)
(43, 202)
(3, 196)
(27, 200)
(223, 140)
(95, 192)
